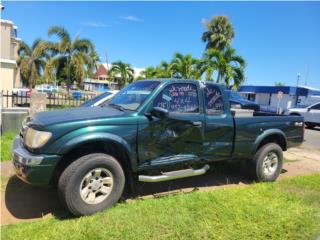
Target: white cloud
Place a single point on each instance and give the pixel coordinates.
(131, 18)
(94, 24)
(204, 21)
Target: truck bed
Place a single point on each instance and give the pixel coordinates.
(247, 130)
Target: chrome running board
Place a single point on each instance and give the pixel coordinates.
(166, 176)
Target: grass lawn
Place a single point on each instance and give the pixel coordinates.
(6, 142)
(289, 209)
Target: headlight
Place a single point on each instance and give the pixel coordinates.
(36, 139)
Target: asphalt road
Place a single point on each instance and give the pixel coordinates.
(312, 138)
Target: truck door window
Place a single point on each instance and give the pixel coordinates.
(179, 97)
(213, 100)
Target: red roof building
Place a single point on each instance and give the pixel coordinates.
(102, 72)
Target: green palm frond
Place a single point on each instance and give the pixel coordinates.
(219, 33)
(24, 49)
(61, 32)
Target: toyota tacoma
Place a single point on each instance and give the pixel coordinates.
(151, 131)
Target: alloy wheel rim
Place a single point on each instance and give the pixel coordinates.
(96, 185)
(270, 163)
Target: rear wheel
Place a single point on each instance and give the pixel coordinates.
(266, 164)
(91, 183)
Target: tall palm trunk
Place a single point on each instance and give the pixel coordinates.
(68, 73)
(219, 77)
(30, 74)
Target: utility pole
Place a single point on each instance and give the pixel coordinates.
(298, 78)
(307, 75)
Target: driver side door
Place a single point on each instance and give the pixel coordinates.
(177, 138)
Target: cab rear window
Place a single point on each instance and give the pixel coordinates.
(213, 100)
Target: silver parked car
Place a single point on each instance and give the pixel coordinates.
(310, 113)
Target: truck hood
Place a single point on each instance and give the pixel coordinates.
(76, 114)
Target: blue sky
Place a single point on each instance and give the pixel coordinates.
(277, 39)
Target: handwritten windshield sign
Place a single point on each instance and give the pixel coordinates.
(179, 97)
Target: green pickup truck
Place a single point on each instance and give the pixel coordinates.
(151, 131)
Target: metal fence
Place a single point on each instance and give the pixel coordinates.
(54, 100)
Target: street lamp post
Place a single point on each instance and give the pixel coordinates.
(297, 96)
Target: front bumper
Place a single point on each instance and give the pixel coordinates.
(36, 169)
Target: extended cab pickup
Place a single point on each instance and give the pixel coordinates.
(151, 131)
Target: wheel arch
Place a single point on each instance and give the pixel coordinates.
(98, 143)
(272, 135)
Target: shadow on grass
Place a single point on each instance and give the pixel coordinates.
(24, 201)
(218, 175)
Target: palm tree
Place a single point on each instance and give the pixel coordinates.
(229, 66)
(207, 66)
(219, 33)
(31, 61)
(73, 56)
(93, 63)
(123, 72)
(184, 66)
(147, 73)
(50, 70)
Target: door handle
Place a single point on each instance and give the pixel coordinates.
(197, 124)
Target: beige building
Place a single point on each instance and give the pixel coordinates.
(9, 45)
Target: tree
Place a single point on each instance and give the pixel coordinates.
(31, 61)
(149, 72)
(123, 72)
(93, 63)
(184, 66)
(219, 33)
(164, 70)
(73, 57)
(279, 84)
(229, 66)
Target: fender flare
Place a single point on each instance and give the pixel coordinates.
(268, 133)
(99, 137)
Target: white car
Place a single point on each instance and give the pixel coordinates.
(45, 88)
(24, 92)
(100, 99)
(310, 113)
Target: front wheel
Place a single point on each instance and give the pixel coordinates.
(266, 164)
(91, 183)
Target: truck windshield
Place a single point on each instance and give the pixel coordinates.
(92, 101)
(133, 95)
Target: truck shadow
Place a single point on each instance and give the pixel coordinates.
(23, 201)
(220, 174)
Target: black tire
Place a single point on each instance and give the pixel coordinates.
(257, 163)
(310, 125)
(71, 179)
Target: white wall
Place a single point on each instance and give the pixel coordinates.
(287, 101)
(262, 98)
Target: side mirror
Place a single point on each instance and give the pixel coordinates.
(308, 109)
(159, 112)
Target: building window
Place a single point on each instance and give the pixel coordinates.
(252, 97)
